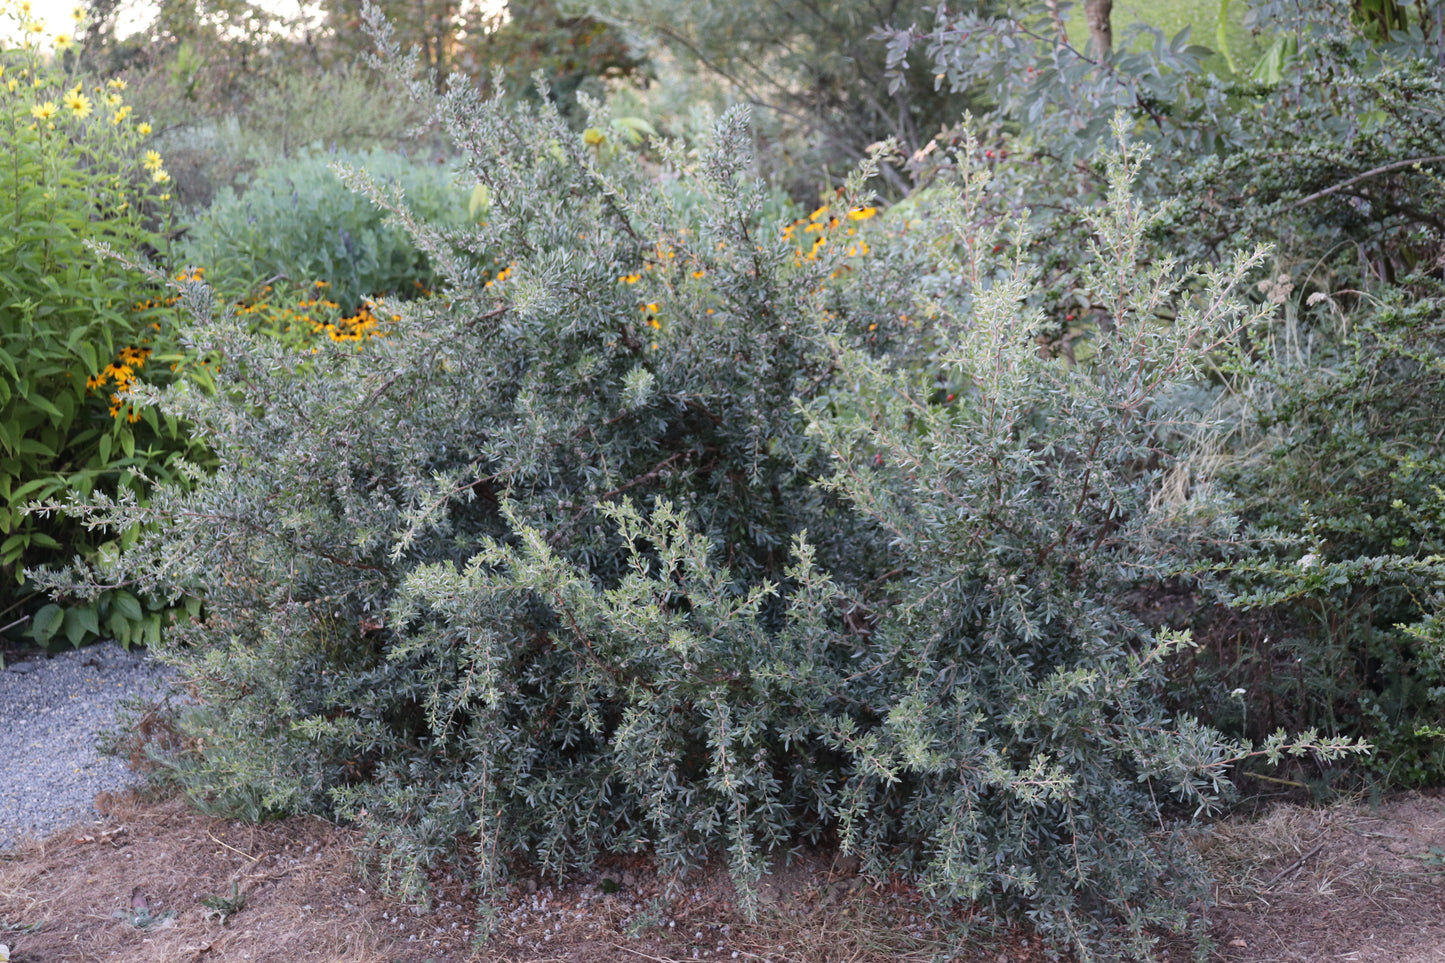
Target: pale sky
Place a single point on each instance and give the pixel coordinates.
(133, 16)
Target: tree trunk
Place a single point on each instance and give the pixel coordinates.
(1098, 13)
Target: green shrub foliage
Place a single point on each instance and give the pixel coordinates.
(1336, 457)
(1344, 481)
(1015, 742)
(1330, 150)
(297, 223)
(541, 571)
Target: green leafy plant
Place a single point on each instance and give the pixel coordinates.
(1331, 153)
(76, 331)
(1017, 740)
(222, 908)
(1344, 482)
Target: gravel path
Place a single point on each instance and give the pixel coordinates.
(52, 711)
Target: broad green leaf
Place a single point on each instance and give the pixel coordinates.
(74, 628)
(127, 605)
(46, 622)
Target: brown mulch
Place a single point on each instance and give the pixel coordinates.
(1346, 882)
(71, 897)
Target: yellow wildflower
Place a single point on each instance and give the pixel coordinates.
(152, 161)
(78, 15)
(144, 130)
(62, 42)
(43, 111)
(861, 213)
(630, 278)
(160, 176)
(121, 114)
(115, 83)
(78, 103)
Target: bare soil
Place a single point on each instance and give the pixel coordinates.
(157, 882)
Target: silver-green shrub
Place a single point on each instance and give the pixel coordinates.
(539, 573)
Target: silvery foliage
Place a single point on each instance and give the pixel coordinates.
(1018, 748)
(344, 477)
(512, 578)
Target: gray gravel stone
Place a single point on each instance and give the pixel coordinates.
(53, 710)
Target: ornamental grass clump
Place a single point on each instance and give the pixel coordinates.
(546, 572)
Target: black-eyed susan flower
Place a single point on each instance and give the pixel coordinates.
(861, 213)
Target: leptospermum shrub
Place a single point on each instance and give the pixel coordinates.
(544, 573)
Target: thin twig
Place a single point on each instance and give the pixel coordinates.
(254, 859)
(1398, 165)
(1294, 867)
(20, 621)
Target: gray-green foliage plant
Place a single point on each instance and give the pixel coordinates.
(298, 222)
(1333, 155)
(1016, 744)
(628, 351)
(539, 575)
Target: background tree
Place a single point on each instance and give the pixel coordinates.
(1099, 15)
